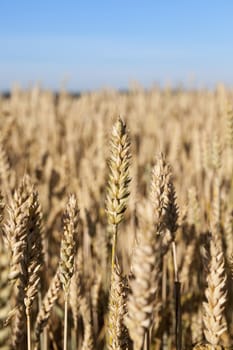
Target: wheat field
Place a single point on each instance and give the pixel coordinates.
(116, 214)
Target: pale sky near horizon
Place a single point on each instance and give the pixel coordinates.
(94, 44)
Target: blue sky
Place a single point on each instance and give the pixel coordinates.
(92, 44)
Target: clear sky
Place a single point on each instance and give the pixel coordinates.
(110, 43)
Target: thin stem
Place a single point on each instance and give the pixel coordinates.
(175, 261)
(42, 340)
(147, 340)
(74, 338)
(164, 298)
(45, 339)
(178, 329)
(65, 322)
(178, 317)
(114, 243)
(28, 330)
(164, 281)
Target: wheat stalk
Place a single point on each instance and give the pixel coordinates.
(163, 197)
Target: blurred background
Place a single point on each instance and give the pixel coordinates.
(88, 45)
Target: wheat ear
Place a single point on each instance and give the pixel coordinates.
(2, 207)
(215, 294)
(161, 174)
(85, 309)
(117, 332)
(230, 127)
(16, 230)
(165, 218)
(67, 254)
(4, 170)
(5, 293)
(119, 179)
(76, 286)
(47, 305)
(5, 287)
(143, 286)
(171, 219)
(163, 198)
(34, 258)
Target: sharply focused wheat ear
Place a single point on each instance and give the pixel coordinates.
(68, 251)
(213, 313)
(118, 183)
(119, 173)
